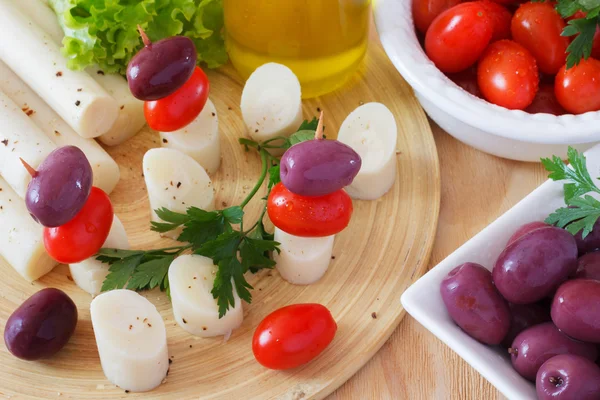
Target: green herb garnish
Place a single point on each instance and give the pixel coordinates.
(104, 32)
(582, 210)
(583, 28)
(212, 234)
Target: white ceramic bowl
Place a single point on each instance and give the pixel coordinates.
(424, 302)
(496, 130)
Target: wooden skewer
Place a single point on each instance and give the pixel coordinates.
(29, 168)
(145, 37)
(319, 131)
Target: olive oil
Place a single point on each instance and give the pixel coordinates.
(322, 41)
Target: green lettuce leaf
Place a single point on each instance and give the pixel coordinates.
(104, 32)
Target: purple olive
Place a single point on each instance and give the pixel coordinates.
(591, 241)
(60, 187)
(474, 303)
(160, 68)
(319, 167)
(523, 316)
(576, 309)
(536, 345)
(568, 377)
(525, 229)
(588, 266)
(41, 326)
(533, 267)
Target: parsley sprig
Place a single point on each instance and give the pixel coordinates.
(582, 210)
(583, 28)
(219, 235)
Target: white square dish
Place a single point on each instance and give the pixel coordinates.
(423, 300)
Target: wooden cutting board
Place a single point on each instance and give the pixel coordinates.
(385, 248)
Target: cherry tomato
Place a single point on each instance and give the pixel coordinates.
(458, 36)
(180, 108)
(507, 75)
(500, 17)
(425, 11)
(508, 3)
(84, 235)
(309, 216)
(467, 80)
(578, 89)
(537, 26)
(293, 335)
(545, 102)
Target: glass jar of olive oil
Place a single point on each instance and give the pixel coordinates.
(322, 41)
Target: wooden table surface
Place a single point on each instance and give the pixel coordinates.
(476, 189)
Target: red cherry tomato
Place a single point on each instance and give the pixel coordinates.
(467, 80)
(180, 108)
(425, 11)
(500, 17)
(85, 234)
(508, 3)
(293, 336)
(458, 36)
(578, 89)
(545, 102)
(537, 26)
(507, 75)
(309, 216)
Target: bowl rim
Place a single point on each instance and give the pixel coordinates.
(394, 23)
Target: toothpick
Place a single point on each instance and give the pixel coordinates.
(145, 37)
(319, 131)
(29, 168)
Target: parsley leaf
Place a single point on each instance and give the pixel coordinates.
(172, 217)
(172, 220)
(583, 28)
(224, 246)
(582, 212)
(204, 226)
(307, 125)
(255, 254)
(233, 215)
(274, 176)
(151, 274)
(301, 136)
(210, 234)
(579, 179)
(230, 269)
(137, 269)
(581, 46)
(117, 253)
(581, 216)
(120, 271)
(566, 8)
